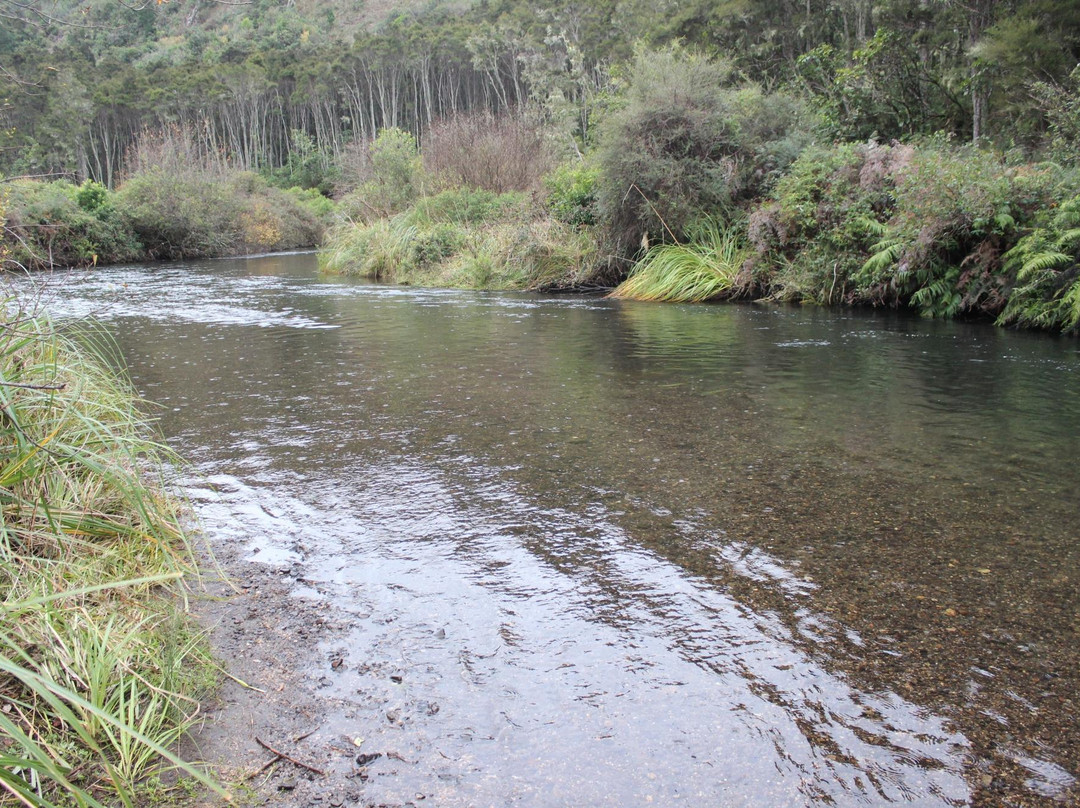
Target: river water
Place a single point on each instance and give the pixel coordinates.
(618, 554)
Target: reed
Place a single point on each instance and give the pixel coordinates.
(99, 669)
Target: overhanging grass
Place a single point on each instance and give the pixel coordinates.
(705, 268)
(98, 669)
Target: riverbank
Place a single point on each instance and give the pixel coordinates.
(101, 667)
(947, 231)
(701, 186)
(163, 211)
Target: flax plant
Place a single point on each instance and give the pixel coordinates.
(99, 671)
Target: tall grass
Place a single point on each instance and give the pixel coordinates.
(98, 669)
(463, 238)
(705, 268)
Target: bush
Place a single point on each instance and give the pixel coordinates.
(1046, 263)
(686, 144)
(52, 224)
(92, 196)
(180, 215)
(198, 214)
(389, 175)
(958, 210)
(816, 232)
(307, 166)
(928, 226)
(571, 193)
(313, 201)
(481, 150)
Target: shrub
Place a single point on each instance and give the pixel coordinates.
(58, 224)
(197, 214)
(307, 166)
(92, 196)
(1047, 267)
(181, 215)
(686, 144)
(571, 193)
(958, 210)
(481, 150)
(389, 175)
(816, 232)
(313, 201)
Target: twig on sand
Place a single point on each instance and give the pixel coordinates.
(283, 756)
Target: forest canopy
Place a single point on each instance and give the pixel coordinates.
(83, 80)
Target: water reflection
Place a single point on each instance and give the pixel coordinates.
(734, 555)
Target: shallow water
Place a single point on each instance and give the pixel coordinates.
(616, 553)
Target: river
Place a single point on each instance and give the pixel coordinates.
(592, 552)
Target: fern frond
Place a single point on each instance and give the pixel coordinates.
(872, 226)
(1004, 222)
(886, 253)
(1070, 239)
(1070, 308)
(1043, 262)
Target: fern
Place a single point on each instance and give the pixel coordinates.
(938, 297)
(1047, 265)
(1068, 308)
(1004, 222)
(872, 226)
(1043, 262)
(887, 253)
(1070, 239)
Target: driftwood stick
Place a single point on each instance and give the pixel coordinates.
(283, 756)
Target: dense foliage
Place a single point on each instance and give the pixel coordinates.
(288, 85)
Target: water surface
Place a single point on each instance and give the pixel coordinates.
(616, 553)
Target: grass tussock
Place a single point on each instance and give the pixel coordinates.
(463, 238)
(99, 671)
(705, 268)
